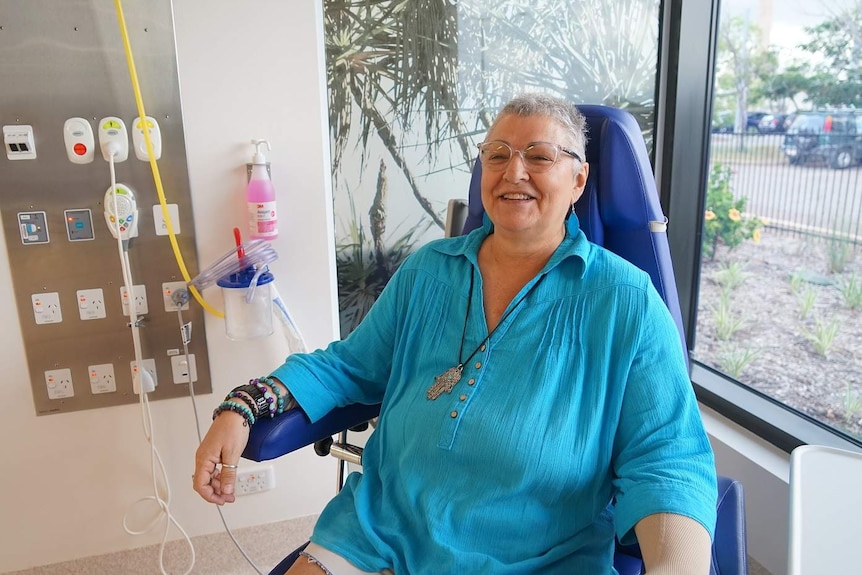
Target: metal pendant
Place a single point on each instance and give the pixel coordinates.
(445, 382)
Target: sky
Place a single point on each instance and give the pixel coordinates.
(789, 18)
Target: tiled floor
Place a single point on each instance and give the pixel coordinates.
(215, 554)
(755, 568)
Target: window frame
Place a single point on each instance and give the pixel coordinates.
(681, 158)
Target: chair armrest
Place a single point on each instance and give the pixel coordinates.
(729, 553)
(271, 438)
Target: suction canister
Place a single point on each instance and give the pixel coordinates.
(247, 304)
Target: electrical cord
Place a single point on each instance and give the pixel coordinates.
(290, 330)
(141, 376)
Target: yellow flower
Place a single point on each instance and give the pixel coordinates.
(709, 215)
(756, 236)
(734, 214)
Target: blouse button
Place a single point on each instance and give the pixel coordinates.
(463, 397)
(483, 347)
(471, 381)
(478, 364)
(453, 415)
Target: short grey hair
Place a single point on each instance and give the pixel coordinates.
(561, 111)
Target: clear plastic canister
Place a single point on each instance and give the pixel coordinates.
(247, 307)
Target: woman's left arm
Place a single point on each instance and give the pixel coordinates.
(673, 544)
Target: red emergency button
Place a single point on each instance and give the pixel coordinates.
(80, 149)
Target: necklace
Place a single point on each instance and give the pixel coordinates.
(447, 380)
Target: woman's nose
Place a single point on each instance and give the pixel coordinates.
(516, 169)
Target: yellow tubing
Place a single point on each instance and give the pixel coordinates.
(154, 165)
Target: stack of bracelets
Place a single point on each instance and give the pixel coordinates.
(261, 397)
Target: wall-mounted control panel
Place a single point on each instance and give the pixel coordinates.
(60, 211)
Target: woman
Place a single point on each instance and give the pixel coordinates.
(535, 399)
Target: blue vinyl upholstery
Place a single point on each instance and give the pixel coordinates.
(619, 210)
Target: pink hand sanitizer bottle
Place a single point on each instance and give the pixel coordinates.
(260, 197)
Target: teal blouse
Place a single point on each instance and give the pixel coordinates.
(573, 422)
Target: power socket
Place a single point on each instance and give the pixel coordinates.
(250, 481)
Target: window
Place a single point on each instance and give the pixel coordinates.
(773, 301)
(413, 87)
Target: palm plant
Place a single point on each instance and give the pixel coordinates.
(586, 51)
(392, 64)
(393, 60)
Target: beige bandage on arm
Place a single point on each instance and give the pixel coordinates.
(673, 545)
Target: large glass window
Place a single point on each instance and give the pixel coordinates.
(780, 292)
(413, 87)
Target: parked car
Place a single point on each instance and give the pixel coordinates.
(722, 122)
(775, 123)
(833, 136)
(752, 120)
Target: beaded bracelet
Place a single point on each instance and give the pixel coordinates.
(279, 394)
(267, 394)
(241, 396)
(244, 411)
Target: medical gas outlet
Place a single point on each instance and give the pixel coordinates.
(113, 139)
(140, 143)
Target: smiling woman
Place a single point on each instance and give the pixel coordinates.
(607, 353)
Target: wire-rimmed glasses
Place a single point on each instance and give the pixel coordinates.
(537, 156)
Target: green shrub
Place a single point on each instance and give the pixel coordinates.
(724, 222)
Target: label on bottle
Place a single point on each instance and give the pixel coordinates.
(262, 220)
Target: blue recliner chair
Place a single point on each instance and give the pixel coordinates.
(619, 210)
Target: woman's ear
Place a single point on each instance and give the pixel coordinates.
(580, 181)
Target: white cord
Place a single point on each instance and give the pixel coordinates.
(156, 463)
(200, 438)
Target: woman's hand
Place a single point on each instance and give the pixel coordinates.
(217, 456)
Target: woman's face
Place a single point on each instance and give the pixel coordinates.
(531, 204)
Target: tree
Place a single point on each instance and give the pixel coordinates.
(838, 43)
(394, 60)
(742, 63)
(787, 85)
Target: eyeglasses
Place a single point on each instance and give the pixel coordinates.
(537, 156)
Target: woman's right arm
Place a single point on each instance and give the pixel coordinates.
(221, 448)
(223, 443)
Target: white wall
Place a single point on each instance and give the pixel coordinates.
(247, 70)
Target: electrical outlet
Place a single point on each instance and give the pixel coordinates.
(59, 383)
(46, 307)
(140, 292)
(91, 304)
(250, 481)
(102, 378)
(149, 367)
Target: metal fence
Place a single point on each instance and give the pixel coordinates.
(809, 199)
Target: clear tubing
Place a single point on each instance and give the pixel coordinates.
(256, 254)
